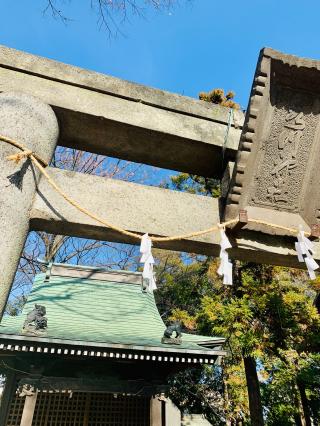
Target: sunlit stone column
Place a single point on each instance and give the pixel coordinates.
(33, 123)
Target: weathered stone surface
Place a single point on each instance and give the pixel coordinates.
(141, 209)
(79, 77)
(33, 123)
(276, 172)
(113, 117)
(135, 207)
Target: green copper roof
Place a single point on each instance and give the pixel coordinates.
(95, 310)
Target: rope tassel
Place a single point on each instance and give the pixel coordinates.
(148, 260)
(305, 251)
(225, 268)
(20, 156)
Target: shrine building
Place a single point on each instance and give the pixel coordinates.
(89, 350)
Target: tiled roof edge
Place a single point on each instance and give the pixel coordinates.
(64, 342)
(40, 345)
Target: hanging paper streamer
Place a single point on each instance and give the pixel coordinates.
(148, 260)
(225, 268)
(304, 248)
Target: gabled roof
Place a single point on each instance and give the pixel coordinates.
(90, 307)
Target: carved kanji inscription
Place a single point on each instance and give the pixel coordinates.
(276, 172)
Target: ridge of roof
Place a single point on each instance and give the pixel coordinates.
(93, 273)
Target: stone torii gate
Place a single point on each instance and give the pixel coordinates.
(44, 103)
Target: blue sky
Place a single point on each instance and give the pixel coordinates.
(199, 45)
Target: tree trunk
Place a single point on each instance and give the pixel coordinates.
(226, 396)
(255, 405)
(304, 405)
(298, 415)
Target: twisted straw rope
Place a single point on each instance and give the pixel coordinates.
(41, 164)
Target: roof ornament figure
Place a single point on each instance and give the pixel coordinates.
(36, 322)
(225, 268)
(148, 260)
(305, 251)
(167, 335)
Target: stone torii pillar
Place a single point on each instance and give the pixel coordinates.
(33, 123)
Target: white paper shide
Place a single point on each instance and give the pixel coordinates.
(305, 252)
(225, 268)
(148, 261)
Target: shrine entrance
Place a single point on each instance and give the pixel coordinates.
(101, 361)
(83, 409)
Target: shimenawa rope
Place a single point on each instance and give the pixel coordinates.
(41, 164)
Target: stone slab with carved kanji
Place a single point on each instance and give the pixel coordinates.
(276, 175)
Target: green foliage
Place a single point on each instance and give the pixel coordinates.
(183, 282)
(287, 377)
(308, 377)
(195, 184)
(217, 96)
(268, 314)
(199, 391)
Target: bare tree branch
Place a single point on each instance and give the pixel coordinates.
(65, 249)
(112, 14)
(55, 12)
